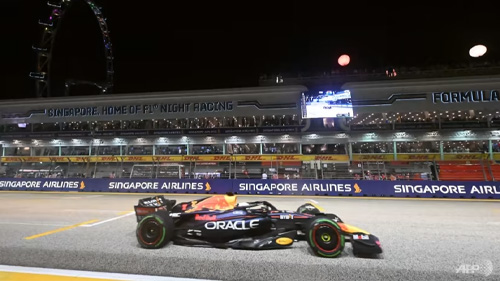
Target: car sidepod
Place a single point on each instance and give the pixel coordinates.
(219, 228)
(272, 240)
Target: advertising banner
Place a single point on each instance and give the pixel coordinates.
(41, 184)
(465, 156)
(423, 189)
(418, 156)
(13, 159)
(47, 159)
(177, 158)
(297, 187)
(253, 158)
(373, 157)
(158, 185)
(104, 159)
(354, 188)
(118, 185)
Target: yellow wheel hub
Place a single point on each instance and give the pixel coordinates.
(326, 237)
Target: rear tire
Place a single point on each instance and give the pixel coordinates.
(325, 238)
(155, 231)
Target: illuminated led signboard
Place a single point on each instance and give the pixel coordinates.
(327, 104)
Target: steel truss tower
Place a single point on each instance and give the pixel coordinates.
(44, 50)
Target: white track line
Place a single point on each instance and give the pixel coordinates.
(91, 274)
(92, 211)
(108, 220)
(94, 196)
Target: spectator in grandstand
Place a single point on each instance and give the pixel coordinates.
(485, 148)
(496, 148)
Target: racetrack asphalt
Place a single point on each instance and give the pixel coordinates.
(422, 240)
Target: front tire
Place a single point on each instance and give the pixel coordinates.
(155, 231)
(325, 238)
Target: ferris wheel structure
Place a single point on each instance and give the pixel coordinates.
(44, 50)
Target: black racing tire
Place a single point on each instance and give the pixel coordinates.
(155, 231)
(325, 237)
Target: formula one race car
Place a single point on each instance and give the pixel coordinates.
(218, 221)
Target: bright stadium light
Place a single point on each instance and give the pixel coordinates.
(477, 51)
(344, 60)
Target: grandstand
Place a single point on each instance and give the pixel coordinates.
(408, 127)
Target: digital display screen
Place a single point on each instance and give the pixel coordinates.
(21, 125)
(327, 104)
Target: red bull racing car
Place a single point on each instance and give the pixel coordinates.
(219, 221)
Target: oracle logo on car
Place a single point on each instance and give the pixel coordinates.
(232, 225)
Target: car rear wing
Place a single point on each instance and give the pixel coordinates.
(147, 206)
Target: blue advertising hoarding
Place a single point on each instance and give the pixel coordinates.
(40, 184)
(372, 188)
(356, 188)
(157, 185)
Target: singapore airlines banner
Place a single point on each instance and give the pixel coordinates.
(354, 188)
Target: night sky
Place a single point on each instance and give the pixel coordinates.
(184, 45)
